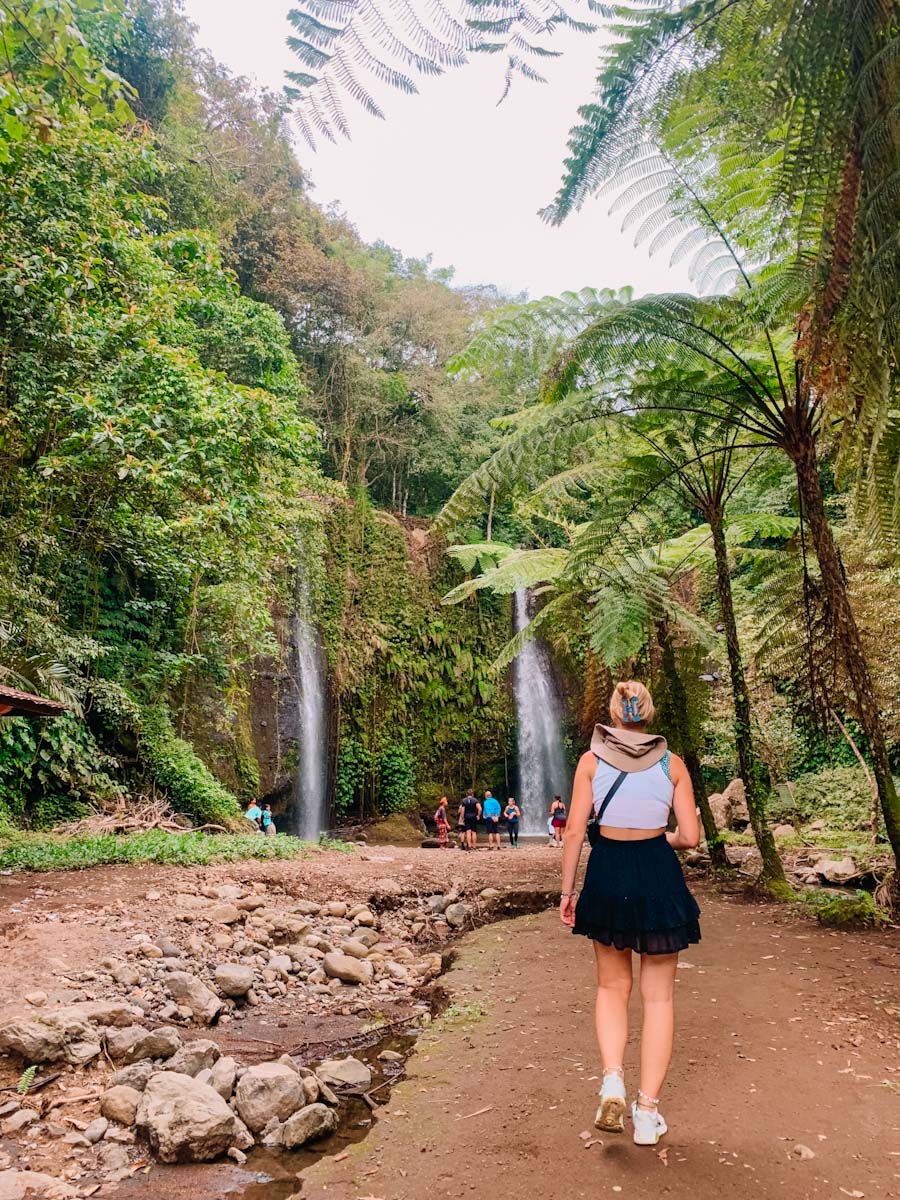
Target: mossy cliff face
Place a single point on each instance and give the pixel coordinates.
(414, 708)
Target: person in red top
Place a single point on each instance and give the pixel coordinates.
(443, 825)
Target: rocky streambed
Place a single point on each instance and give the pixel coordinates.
(219, 1022)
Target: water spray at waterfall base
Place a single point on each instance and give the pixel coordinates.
(310, 807)
(543, 769)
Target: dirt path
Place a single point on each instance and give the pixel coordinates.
(788, 1034)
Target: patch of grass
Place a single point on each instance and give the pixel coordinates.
(52, 852)
(858, 844)
(455, 1014)
(845, 910)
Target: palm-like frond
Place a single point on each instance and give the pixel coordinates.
(346, 46)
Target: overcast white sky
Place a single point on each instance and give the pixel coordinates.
(451, 174)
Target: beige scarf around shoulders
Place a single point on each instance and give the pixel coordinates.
(627, 749)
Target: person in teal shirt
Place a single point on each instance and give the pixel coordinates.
(254, 814)
(490, 810)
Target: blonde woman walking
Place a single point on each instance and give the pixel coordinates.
(634, 899)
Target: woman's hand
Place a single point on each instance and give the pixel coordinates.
(567, 911)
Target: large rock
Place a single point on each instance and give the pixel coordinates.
(120, 1104)
(310, 1123)
(265, 1091)
(185, 1121)
(136, 1075)
(17, 1185)
(455, 914)
(346, 968)
(224, 914)
(194, 1057)
(355, 947)
(120, 1042)
(344, 1072)
(735, 796)
(838, 870)
(70, 1033)
(155, 1043)
(222, 1076)
(234, 979)
(189, 992)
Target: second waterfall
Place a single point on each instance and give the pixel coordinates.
(310, 801)
(543, 769)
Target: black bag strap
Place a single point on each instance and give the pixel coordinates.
(617, 783)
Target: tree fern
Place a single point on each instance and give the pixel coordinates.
(342, 44)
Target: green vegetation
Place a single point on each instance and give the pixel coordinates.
(209, 384)
(859, 911)
(47, 852)
(176, 769)
(215, 393)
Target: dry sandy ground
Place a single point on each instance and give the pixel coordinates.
(788, 1034)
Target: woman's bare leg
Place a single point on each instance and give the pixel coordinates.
(658, 1032)
(613, 991)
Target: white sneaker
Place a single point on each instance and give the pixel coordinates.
(649, 1126)
(611, 1113)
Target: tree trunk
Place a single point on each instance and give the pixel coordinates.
(834, 585)
(682, 728)
(748, 763)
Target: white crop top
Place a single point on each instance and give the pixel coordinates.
(643, 799)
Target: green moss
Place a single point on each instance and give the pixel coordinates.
(846, 911)
(175, 767)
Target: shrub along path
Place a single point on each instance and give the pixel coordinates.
(786, 1079)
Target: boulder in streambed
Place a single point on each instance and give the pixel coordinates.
(346, 968)
(193, 1057)
(307, 1125)
(269, 1090)
(455, 914)
(344, 1072)
(120, 1104)
(155, 1043)
(186, 1121)
(234, 979)
(189, 992)
(71, 1033)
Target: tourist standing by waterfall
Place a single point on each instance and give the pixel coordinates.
(634, 898)
(512, 812)
(557, 818)
(470, 815)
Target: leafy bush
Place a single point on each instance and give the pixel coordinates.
(47, 852)
(175, 767)
(840, 797)
(396, 777)
(857, 911)
(51, 770)
(354, 763)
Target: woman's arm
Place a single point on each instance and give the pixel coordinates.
(687, 832)
(573, 838)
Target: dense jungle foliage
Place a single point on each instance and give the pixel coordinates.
(208, 382)
(212, 389)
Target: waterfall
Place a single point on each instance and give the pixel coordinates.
(310, 779)
(543, 770)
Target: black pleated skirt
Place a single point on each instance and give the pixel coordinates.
(634, 897)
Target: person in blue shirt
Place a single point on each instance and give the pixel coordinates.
(512, 812)
(268, 821)
(254, 814)
(491, 812)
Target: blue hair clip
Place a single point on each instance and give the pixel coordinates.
(631, 710)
